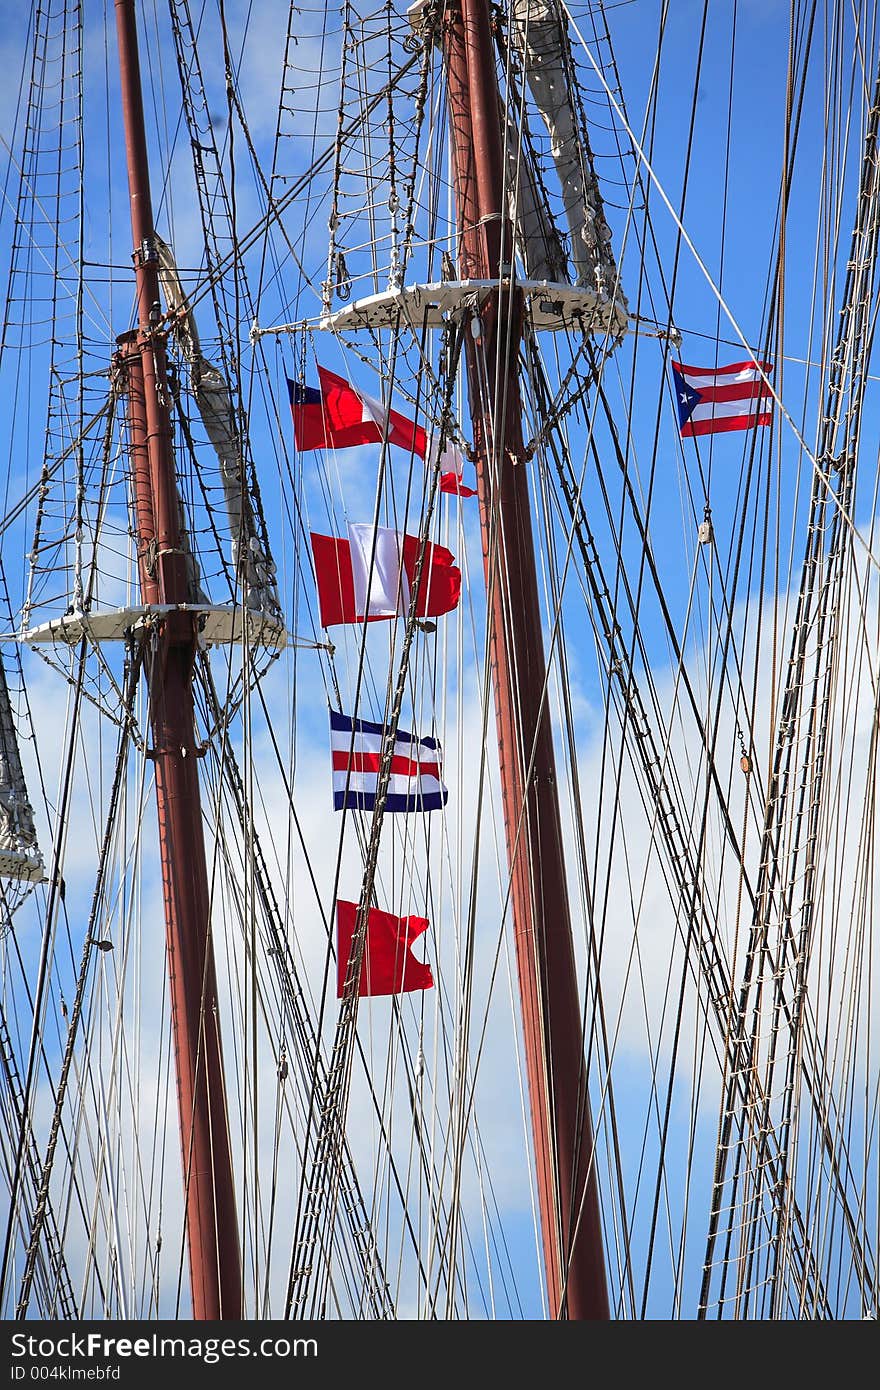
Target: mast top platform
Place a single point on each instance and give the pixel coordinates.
(549, 307)
(218, 624)
(19, 864)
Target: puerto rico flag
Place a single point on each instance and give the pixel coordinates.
(369, 575)
(356, 750)
(388, 965)
(715, 399)
(338, 416)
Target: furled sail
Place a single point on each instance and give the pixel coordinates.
(539, 242)
(20, 856)
(539, 35)
(254, 568)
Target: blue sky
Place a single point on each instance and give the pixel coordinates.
(730, 215)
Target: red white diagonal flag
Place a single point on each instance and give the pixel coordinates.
(711, 400)
(341, 416)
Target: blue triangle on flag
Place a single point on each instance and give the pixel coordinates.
(686, 399)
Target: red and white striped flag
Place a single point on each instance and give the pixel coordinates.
(714, 399)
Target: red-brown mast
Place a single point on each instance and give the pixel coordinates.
(212, 1228)
(561, 1126)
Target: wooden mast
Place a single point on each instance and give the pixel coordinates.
(553, 1034)
(211, 1224)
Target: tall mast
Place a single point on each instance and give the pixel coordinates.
(211, 1225)
(553, 1034)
